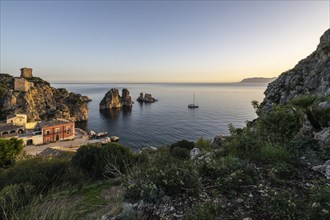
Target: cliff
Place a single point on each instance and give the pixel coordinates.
(311, 76)
(41, 101)
(112, 99)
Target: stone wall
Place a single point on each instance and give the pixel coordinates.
(22, 85)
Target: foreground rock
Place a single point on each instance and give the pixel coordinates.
(38, 100)
(113, 100)
(147, 98)
(310, 76)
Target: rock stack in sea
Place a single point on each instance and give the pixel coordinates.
(112, 99)
(147, 98)
(311, 76)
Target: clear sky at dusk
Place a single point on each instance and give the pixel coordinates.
(158, 41)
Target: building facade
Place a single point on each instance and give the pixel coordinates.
(26, 72)
(57, 130)
(17, 119)
(10, 130)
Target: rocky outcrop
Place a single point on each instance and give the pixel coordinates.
(126, 99)
(147, 98)
(112, 99)
(41, 101)
(310, 76)
(324, 168)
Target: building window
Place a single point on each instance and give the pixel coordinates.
(57, 130)
(68, 130)
(47, 132)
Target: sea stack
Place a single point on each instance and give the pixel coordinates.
(112, 99)
(147, 98)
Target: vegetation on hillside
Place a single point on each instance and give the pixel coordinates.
(261, 171)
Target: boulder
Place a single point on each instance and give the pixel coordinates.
(323, 137)
(324, 168)
(194, 152)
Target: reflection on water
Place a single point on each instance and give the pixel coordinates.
(114, 114)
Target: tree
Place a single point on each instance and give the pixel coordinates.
(9, 149)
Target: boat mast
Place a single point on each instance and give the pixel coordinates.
(194, 99)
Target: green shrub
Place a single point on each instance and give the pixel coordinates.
(319, 203)
(39, 172)
(152, 182)
(204, 144)
(243, 142)
(108, 160)
(181, 149)
(9, 149)
(278, 126)
(273, 153)
(204, 210)
(284, 205)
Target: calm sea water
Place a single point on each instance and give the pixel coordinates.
(169, 119)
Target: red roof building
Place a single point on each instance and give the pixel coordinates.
(57, 130)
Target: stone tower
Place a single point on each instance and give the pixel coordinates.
(26, 72)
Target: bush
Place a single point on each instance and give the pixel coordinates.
(152, 182)
(39, 172)
(108, 160)
(204, 144)
(278, 126)
(273, 153)
(9, 149)
(181, 149)
(320, 202)
(243, 142)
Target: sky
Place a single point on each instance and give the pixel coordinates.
(158, 41)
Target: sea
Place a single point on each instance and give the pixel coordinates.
(169, 119)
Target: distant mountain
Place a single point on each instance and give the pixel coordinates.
(258, 80)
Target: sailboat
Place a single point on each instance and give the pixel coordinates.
(193, 105)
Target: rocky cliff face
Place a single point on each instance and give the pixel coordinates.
(310, 76)
(41, 101)
(112, 99)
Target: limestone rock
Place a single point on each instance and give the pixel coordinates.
(112, 99)
(147, 98)
(41, 101)
(324, 168)
(323, 137)
(194, 152)
(310, 76)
